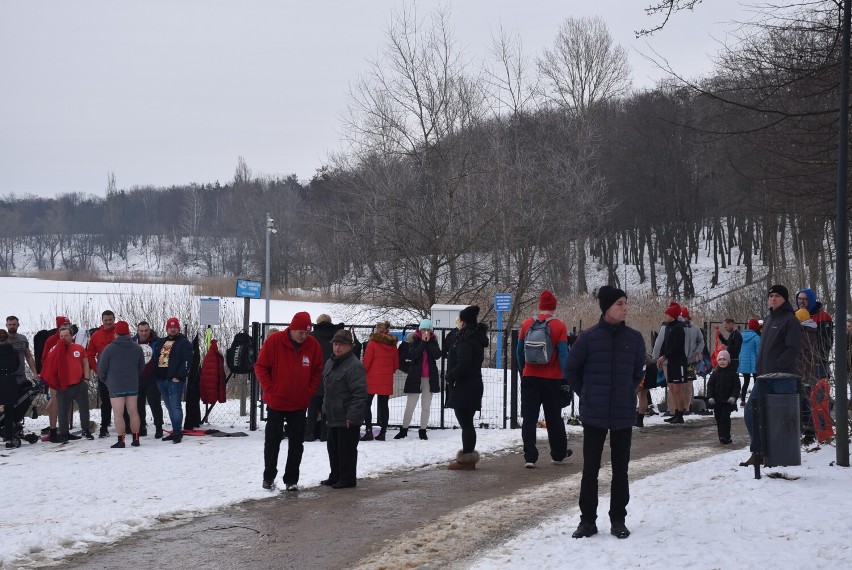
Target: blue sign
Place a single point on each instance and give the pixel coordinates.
(502, 302)
(249, 289)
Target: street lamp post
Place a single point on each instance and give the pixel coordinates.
(270, 229)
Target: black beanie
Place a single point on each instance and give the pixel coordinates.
(780, 290)
(468, 315)
(608, 295)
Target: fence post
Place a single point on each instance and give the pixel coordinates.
(255, 338)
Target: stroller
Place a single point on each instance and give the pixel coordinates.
(27, 393)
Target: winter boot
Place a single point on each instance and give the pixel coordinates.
(464, 461)
(381, 436)
(403, 432)
(135, 442)
(54, 436)
(159, 433)
(422, 433)
(368, 434)
(104, 432)
(677, 418)
(640, 420)
(119, 444)
(671, 418)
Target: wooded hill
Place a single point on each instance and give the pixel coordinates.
(466, 179)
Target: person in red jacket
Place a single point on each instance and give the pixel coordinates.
(66, 370)
(289, 369)
(99, 341)
(381, 360)
(52, 402)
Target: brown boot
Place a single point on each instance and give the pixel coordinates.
(464, 461)
(748, 462)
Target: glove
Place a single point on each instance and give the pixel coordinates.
(712, 402)
(732, 401)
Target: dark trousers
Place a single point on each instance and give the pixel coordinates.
(106, 405)
(342, 448)
(315, 427)
(619, 444)
(543, 393)
(149, 392)
(272, 444)
(382, 412)
(9, 416)
(65, 400)
(746, 380)
(722, 413)
(465, 419)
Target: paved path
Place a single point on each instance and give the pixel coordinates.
(402, 520)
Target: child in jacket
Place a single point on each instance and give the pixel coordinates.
(723, 387)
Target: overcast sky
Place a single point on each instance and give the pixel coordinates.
(172, 92)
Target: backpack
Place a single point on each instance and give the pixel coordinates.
(240, 355)
(538, 344)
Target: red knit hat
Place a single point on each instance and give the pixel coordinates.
(61, 320)
(673, 310)
(753, 325)
(546, 302)
(684, 312)
(172, 322)
(301, 322)
(121, 327)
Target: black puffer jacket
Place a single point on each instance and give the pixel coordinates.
(418, 350)
(673, 350)
(9, 363)
(605, 366)
(464, 367)
(724, 383)
(780, 342)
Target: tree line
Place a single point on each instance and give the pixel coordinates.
(465, 178)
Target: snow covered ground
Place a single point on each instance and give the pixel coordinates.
(61, 499)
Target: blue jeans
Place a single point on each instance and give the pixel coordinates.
(787, 386)
(172, 395)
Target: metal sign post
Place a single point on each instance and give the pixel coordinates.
(502, 303)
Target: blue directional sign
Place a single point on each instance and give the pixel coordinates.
(248, 289)
(502, 301)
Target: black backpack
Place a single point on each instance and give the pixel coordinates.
(240, 355)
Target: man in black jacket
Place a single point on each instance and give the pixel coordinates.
(605, 366)
(780, 346)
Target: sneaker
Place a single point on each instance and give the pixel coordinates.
(88, 435)
(292, 487)
(529, 465)
(268, 485)
(177, 438)
(564, 460)
(618, 530)
(168, 437)
(585, 530)
(368, 436)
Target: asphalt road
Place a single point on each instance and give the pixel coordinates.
(402, 520)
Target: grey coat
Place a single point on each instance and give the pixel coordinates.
(120, 365)
(345, 383)
(694, 342)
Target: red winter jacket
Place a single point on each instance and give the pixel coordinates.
(212, 382)
(97, 343)
(289, 376)
(381, 360)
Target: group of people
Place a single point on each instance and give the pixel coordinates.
(130, 371)
(305, 382)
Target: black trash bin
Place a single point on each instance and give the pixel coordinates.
(779, 420)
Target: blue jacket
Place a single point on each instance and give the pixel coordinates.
(180, 357)
(748, 352)
(605, 366)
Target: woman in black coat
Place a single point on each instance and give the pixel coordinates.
(422, 379)
(9, 363)
(464, 382)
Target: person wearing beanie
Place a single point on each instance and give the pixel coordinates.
(605, 367)
(722, 390)
(345, 385)
(172, 356)
(41, 358)
(97, 343)
(541, 356)
(121, 364)
(464, 383)
(145, 337)
(324, 330)
(381, 361)
(422, 378)
(673, 361)
(748, 356)
(66, 370)
(289, 370)
(780, 348)
(694, 349)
